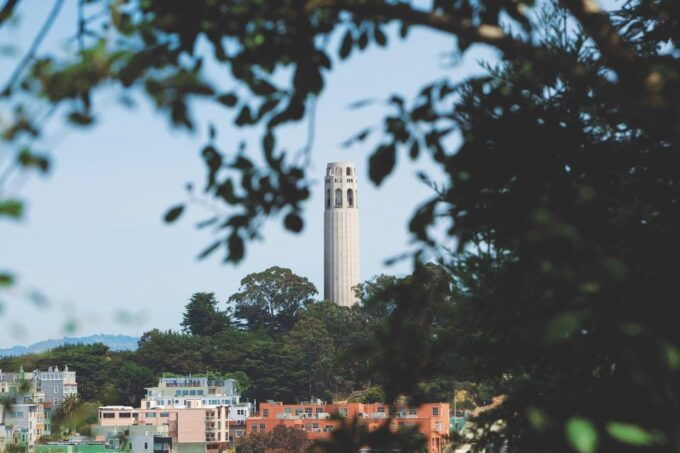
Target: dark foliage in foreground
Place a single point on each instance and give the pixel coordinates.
(562, 199)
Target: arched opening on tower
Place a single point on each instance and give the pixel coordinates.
(338, 198)
(328, 198)
(350, 198)
(349, 171)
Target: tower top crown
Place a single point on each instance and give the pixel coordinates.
(341, 168)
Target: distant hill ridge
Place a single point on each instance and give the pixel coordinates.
(114, 342)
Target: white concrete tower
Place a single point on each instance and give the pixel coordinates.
(341, 233)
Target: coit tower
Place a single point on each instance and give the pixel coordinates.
(341, 233)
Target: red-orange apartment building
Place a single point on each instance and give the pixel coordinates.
(318, 420)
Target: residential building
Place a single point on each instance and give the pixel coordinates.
(26, 422)
(50, 386)
(56, 385)
(318, 420)
(32, 395)
(200, 412)
(176, 391)
(190, 429)
(136, 438)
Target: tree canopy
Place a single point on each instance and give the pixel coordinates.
(272, 299)
(202, 317)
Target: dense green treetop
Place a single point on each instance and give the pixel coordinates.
(202, 317)
(272, 299)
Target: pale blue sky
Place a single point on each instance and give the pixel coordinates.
(93, 241)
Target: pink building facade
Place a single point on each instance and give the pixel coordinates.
(186, 426)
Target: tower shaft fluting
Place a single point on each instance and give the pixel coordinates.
(341, 233)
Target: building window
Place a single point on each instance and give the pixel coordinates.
(262, 427)
(381, 410)
(254, 428)
(349, 171)
(319, 410)
(435, 411)
(150, 415)
(328, 198)
(125, 415)
(265, 412)
(308, 410)
(350, 198)
(146, 445)
(338, 198)
(412, 411)
(109, 415)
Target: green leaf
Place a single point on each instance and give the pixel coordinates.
(6, 279)
(582, 435)
(11, 208)
(262, 87)
(228, 99)
(70, 326)
(363, 39)
(631, 434)
(236, 248)
(346, 46)
(207, 222)
(244, 117)
(210, 249)
(80, 118)
(30, 159)
(672, 356)
(415, 149)
(293, 222)
(380, 37)
(382, 163)
(538, 419)
(563, 325)
(173, 213)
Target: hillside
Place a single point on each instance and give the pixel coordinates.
(114, 342)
